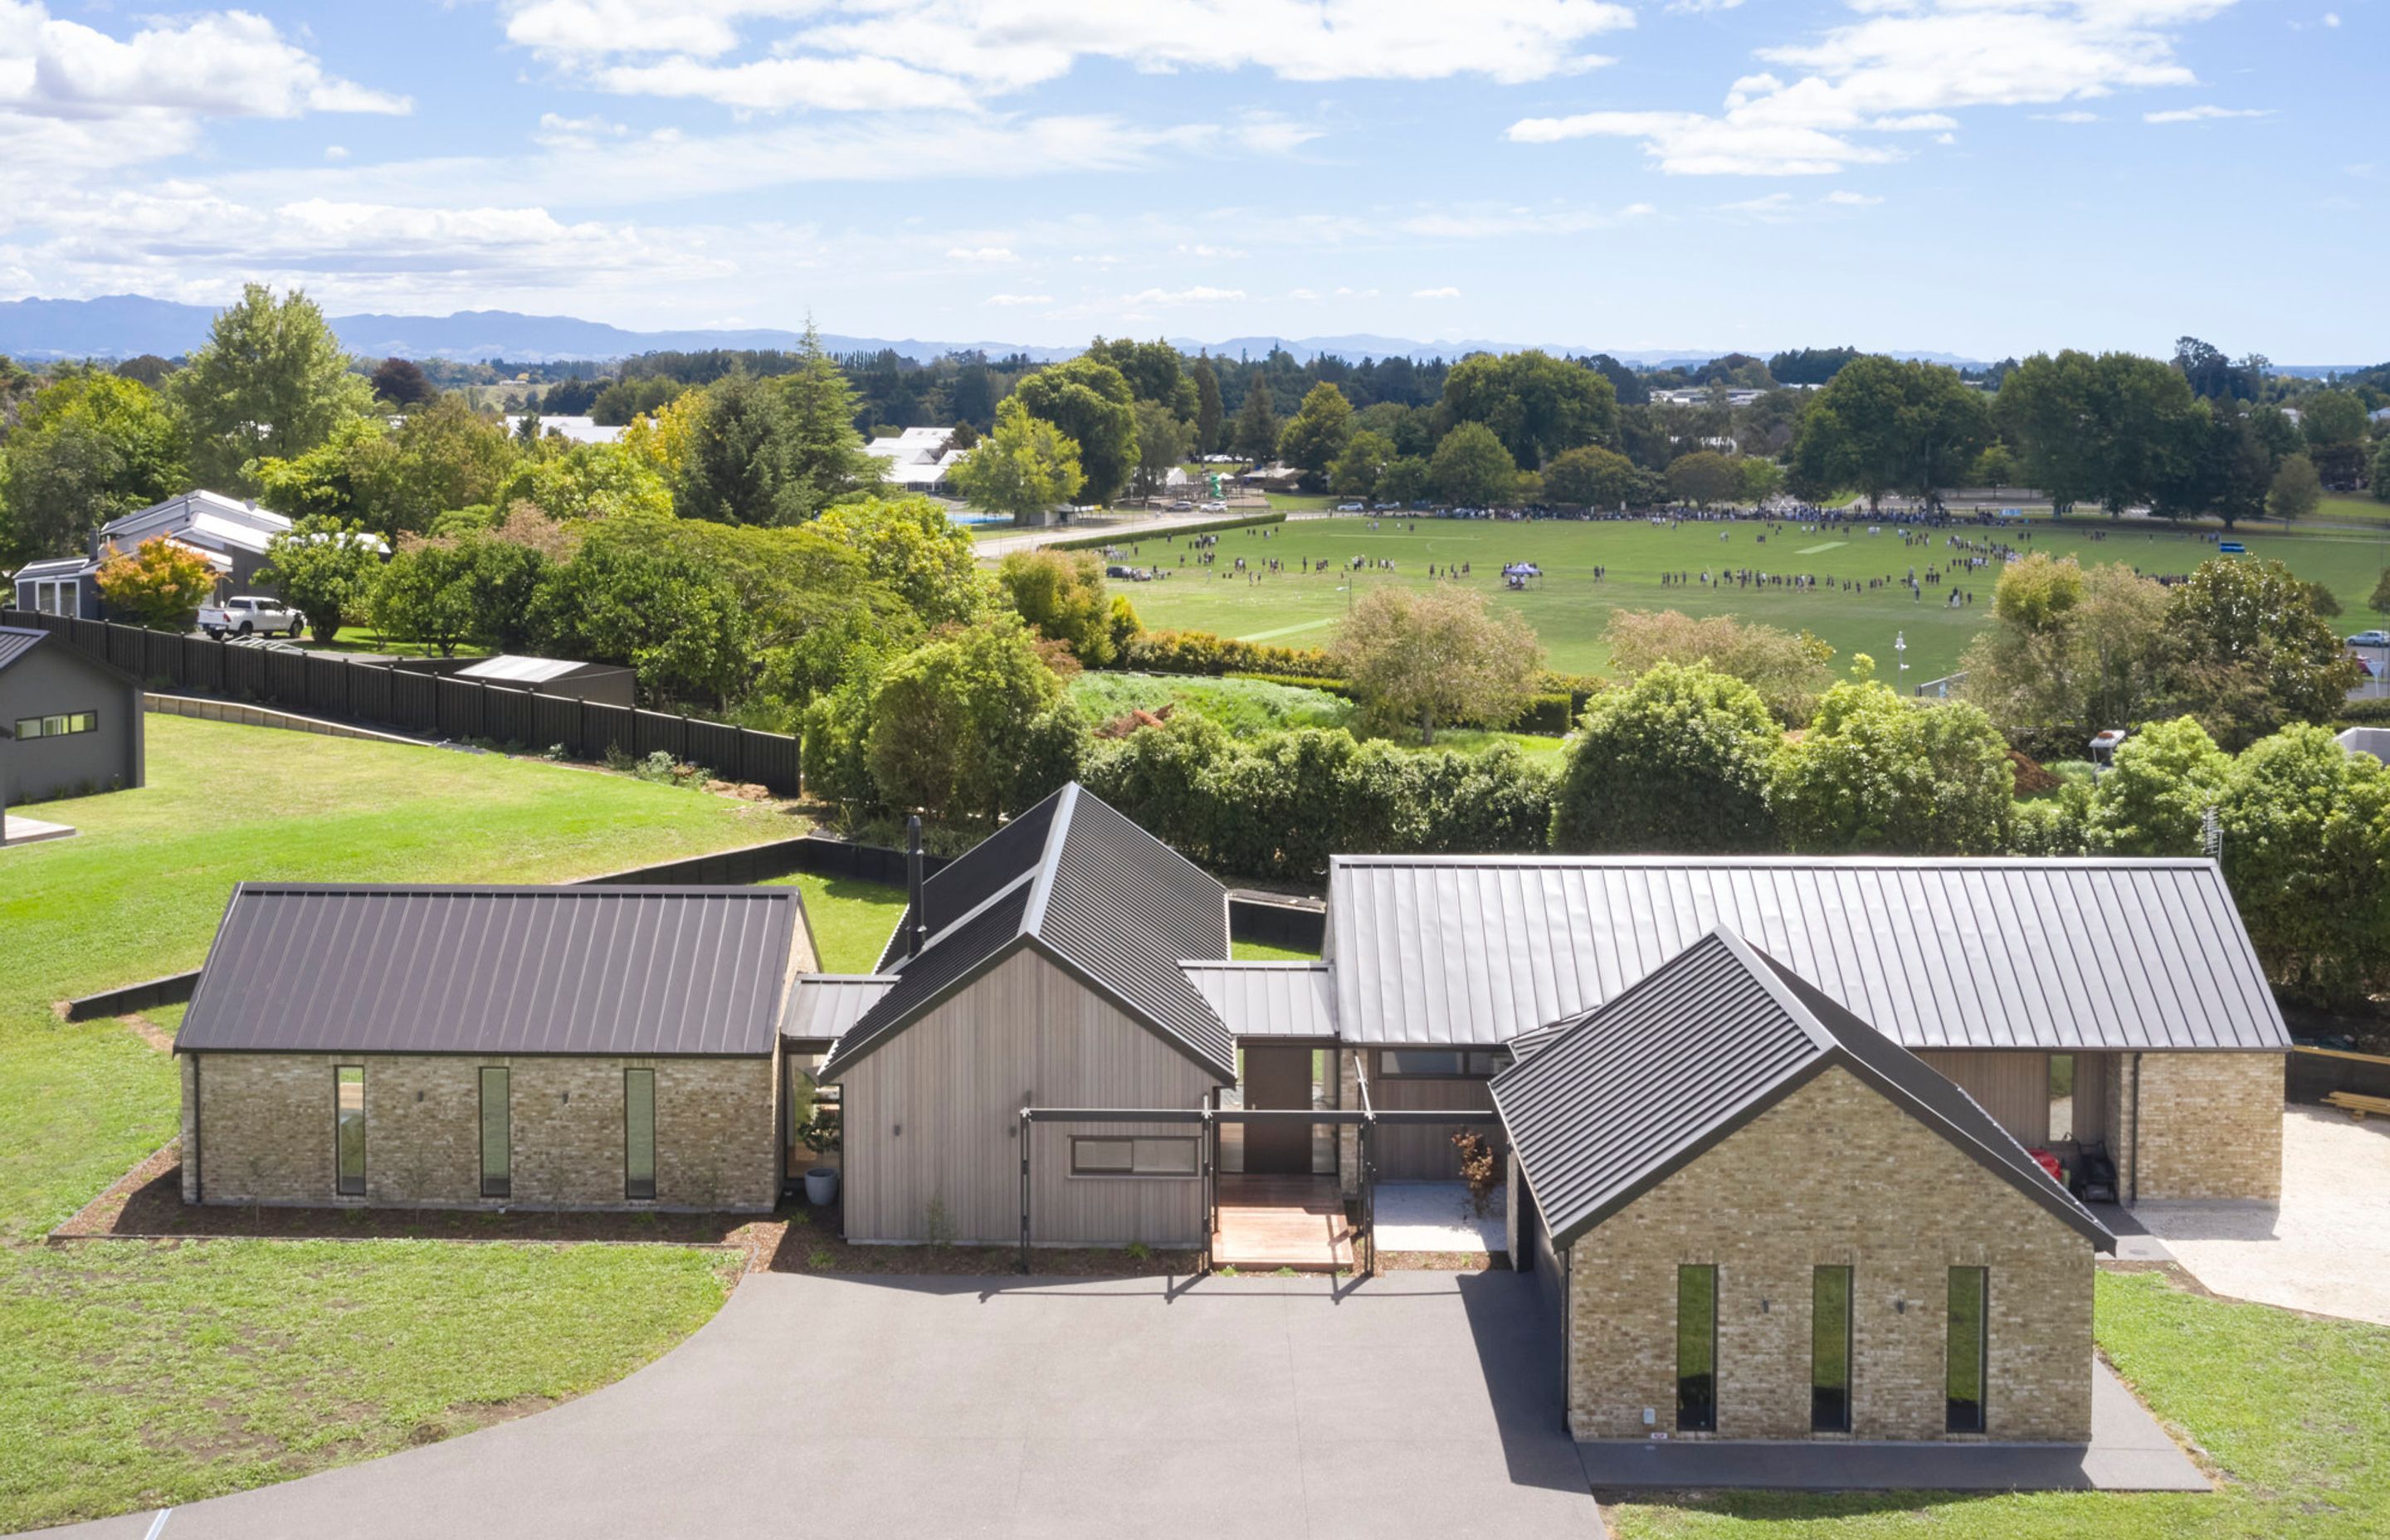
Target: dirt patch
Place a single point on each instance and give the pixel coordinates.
(149, 1031)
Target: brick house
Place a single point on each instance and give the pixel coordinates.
(554, 1048)
(1763, 1219)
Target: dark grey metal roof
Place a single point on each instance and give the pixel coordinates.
(822, 1007)
(1092, 892)
(511, 668)
(1267, 999)
(361, 968)
(16, 641)
(1636, 1088)
(2084, 955)
(56, 567)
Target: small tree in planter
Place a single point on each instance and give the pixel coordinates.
(1477, 1167)
(818, 1130)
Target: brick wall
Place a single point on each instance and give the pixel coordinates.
(1835, 1174)
(264, 1131)
(2211, 1125)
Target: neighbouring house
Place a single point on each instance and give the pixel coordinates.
(1761, 1218)
(62, 586)
(229, 533)
(71, 723)
(2099, 1002)
(578, 429)
(604, 684)
(445, 1046)
(917, 459)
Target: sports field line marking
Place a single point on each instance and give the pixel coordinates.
(1287, 630)
(1829, 545)
(158, 1525)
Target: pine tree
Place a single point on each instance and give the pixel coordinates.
(1209, 418)
(1256, 436)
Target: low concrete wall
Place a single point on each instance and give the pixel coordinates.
(260, 717)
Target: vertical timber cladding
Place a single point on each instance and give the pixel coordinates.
(1412, 1153)
(2013, 1087)
(933, 1114)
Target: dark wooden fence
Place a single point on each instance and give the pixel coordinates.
(430, 704)
(2312, 1074)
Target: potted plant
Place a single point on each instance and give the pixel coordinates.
(818, 1133)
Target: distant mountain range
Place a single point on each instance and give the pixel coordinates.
(124, 325)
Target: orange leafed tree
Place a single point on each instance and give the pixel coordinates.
(159, 585)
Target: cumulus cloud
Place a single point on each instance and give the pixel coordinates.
(867, 54)
(2204, 113)
(1904, 65)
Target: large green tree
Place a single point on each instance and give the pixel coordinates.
(1209, 418)
(1704, 478)
(1317, 435)
(326, 568)
(2155, 797)
(962, 725)
(86, 448)
(1886, 425)
(1155, 372)
(1430, 657)
(1537, 404)
(2070, 652)
(272, 381)
(1255, 435)
(1591, 477)
(1470, 468)
(2307, 852)
(1024, 467)
(825, 456)
(741, 467)
(1091, 403)
(1680, 760)
(1162, 441)
(2296, 491)
(1060, 593)
(1877, 771)
(1357, 472)
(1788, 669)
(2109, 429)
(2254, 654)
(909, 545)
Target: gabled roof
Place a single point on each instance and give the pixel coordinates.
(1636, 1088)
(17, 641)
(1267, 999)
(195, 505)
(2045, 955)
(55, 567)
(597, 969)
(1084, 886)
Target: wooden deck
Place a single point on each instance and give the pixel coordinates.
(1273, 1221)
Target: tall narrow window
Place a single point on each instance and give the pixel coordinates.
(638, 1133)
(348, 1128)
(1829, 1350)
(498, 1135)
(1697, 1348)
(1967, 1357)
(2062, 1097)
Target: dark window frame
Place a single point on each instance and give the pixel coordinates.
(1829, 1405)
(1494, 1059)
(1962, 1414)
(1193, 1172)
(1697, 1397)
(632, 1184)
(499, 1186)
(342, 1181)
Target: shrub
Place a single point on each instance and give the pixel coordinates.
(1201, 652)
(1680, 760)
(1877, 772)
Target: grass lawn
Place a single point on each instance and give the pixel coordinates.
(1259, 951)
(2289, 1410)
(852, 918)
(1569, 607)
(140, 1377)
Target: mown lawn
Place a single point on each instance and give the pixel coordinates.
(851, 917)
(1569, 605)
(139, 1376)
(134, 1375)
(2290, 1411)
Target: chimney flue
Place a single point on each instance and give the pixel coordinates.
(915, 930)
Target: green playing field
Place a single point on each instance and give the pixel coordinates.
(1569, 605)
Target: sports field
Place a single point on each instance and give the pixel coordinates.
(1569, 605)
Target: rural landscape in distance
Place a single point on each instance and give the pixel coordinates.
(1580, 767)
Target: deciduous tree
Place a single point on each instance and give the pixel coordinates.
(2296, 491)
(2255, 653)
(86, 448)
(2155, 794)
(1877, 771)
(1884, 424)
(1437, 656)
(1788, 670)
(1470, 468)
(161, 585)
(1091, 403)
(1680, 760)
(271, 383)
(1024, 467)
(1591, 477)
(964, 724)
(910, 545)
(326, 568)
(1357, 472)
(1060, 593)
(2307, 852)
(1537, 404)
(1317, 435)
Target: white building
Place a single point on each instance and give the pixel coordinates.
(917, 459)
(578, 429)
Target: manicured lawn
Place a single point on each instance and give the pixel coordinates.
(851, 918)
(1256, 950)
(1569, 607)
(139, 1376)
(2289, 1410)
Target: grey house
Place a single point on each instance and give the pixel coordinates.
(229, 533)
(72, 724)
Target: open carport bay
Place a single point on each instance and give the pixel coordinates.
(1418, 1403)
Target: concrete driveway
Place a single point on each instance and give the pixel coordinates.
(1417, 1404)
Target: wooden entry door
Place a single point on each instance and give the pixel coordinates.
(1278, 1076)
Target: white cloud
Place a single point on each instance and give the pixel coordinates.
(845, 55)
(983, 254)
(217, 64)
(1904, 65)
(336, 152)
(1700, 8)
(2073, 115)
(2331, 19)
(2204, 113)
(1303, 293)
(1845, 198)
(1482, 222)
(1200, 250)
(1201, 294)
(1020, 299)
(1447, 292)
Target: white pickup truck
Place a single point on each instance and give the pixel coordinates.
(251, 615)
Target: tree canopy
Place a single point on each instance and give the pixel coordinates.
(272, 381)
(1437, 656)
(1091, 403)
(1537, 404)
(1884, 425)
(1024, 467)
(1680, 760)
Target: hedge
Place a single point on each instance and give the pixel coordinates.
(1201, 652)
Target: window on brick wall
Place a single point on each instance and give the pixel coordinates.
(497, 1134)
(349, 1130)
(1967, 1360)
(638, 1133)
(1829, 1350)
(1697, 1348)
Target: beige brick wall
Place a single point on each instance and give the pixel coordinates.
(264, 1131)
(2211, 1125)
(1835, 1174)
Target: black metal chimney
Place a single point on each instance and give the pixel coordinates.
(914, 928)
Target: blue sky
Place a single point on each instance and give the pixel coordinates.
(1974, 176)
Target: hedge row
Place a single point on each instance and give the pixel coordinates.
(1201, 652)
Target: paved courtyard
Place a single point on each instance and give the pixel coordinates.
(1415, 1404)
(2325, 1248)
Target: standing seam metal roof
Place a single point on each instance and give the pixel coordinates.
(17, 641)
(1635, 1089)
(1267, 999)
(599, 969)
(1090, 890)
(823, 1007)
(2084, 954)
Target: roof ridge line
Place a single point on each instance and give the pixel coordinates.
(959, 921)
(1058, 828)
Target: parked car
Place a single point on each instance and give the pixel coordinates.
(1214, 507)
(1182, 505)
(1352, 508)
(2371, 638)
(1128, 574)
(251, 615)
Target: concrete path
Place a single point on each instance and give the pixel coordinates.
(1414, 1404)
(1128, 527)
(1436, 1216)
(2324, 1248)
(2128, 1451)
